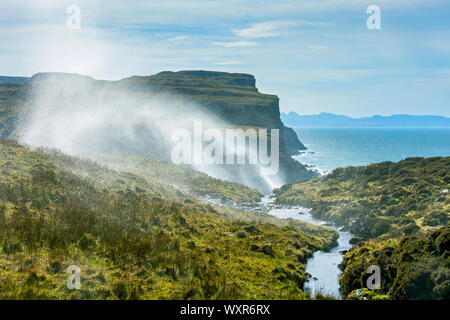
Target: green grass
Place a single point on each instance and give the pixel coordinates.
(182, 177)
(380, 200)
(136, 238)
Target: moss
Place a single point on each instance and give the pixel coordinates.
(412, 267)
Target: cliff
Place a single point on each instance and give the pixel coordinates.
(231, 98)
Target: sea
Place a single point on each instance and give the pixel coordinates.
(330, 148)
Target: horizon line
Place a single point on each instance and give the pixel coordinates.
(369, 116)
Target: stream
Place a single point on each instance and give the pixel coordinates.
(322, 266)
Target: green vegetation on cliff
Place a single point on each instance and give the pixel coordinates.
(136, 238)
(385, 199)
(12, 103)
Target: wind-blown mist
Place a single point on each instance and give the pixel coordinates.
(81, 116)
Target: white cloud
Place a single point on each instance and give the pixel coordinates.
(317, 48)
(276, 28)
(236, 44)
(227, 63)
(263, 29)
(178, 38)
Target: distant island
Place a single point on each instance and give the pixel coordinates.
(330, 120)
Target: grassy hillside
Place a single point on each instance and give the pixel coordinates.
(400, 213)
(181, 177)
(136, 238)
(386, 199)
(412, 267)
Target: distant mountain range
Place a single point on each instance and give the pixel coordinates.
(330, 120)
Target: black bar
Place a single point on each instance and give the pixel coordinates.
(221, 309)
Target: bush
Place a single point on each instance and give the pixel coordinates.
(410, 228)
(436, 218)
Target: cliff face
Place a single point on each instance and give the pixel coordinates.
(232, 99)
(12, 102)
(231, 96)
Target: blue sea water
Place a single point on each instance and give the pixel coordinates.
(329, 148)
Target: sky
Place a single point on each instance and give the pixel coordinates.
(316, 55)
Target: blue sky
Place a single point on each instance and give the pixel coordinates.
(316, 55)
